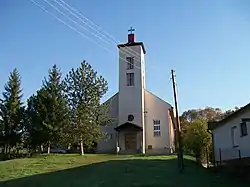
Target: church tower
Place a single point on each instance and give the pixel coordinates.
(132, 82)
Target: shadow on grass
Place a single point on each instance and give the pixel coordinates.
(133, 172)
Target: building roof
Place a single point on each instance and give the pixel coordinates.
(127, 125)
(158, 98)
(133, 44)
(215, 124)
(116, 94)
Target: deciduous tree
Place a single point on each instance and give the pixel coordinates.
(85, 89)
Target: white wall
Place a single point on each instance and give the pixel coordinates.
(130, 97)
(157, 109)
(109, 145)
(223, 139)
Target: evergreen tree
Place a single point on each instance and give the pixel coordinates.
(48, 111)
(84, 92)
(55, 105)
(12, 112)
(35, 136)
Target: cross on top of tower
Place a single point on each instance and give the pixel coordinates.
(131, 30)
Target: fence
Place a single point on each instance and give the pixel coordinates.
(223, 156)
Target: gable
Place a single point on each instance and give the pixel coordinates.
(242, 112)
(148, 93)
(113, 105)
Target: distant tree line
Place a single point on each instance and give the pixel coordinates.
(196, 139)
(65, 111)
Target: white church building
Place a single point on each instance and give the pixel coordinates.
(143, 121)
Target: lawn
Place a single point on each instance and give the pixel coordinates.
(106, 170)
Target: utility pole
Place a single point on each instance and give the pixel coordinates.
(178, 133)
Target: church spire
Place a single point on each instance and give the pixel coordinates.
(131, 35)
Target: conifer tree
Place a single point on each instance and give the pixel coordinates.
(48, 110)
(12, 112)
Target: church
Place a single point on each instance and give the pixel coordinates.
(143, 122)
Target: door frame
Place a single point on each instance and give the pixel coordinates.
(134, 135)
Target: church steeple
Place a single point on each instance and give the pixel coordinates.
(131, 41)
(131, 35)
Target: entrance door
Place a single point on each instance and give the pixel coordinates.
(130, 141)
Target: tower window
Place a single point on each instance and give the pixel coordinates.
(130, 62)
(130, 79)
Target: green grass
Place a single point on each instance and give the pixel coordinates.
(106, 170)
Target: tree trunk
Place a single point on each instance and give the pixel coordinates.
(5, 148)
(81, 146)
(41, 148)
(49, 147)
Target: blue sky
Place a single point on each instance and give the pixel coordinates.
(206, 42)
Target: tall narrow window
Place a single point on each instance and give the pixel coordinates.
(130, 62)
(157, 128)
(234, 136)
(243, 128)
(130, 79)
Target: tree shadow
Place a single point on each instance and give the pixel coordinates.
(143, 172)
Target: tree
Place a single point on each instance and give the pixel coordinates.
(208, 113)
(48, 110)
(84, 92)
(194, 128)
(12, 112)
(196, 139)
(35, 136)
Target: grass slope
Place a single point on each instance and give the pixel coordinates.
(105, 170)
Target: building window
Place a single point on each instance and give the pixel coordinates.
(130, 62)
(130, 117)
(234, 136)
(157, 128)
(130, 79)
(243, 129)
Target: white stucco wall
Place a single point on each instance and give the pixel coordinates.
(130, 97)
(223, 139)
(157, 109)
(106, 145)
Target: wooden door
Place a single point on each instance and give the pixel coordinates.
(130, 141)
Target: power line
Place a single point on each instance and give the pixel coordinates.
(60, 20)
(97, 29)
(72, 20)
(79, 32)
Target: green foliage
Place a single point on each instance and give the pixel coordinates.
(34, 128)
(196, 138)
(208, 113)
(84, 92)
(12, 113)
(63, 111)
(48, 111)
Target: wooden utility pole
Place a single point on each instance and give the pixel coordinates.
(178, 133)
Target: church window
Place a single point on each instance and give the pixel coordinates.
(130, 79)
(130, 117)
(157, 128)
(130, 62)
